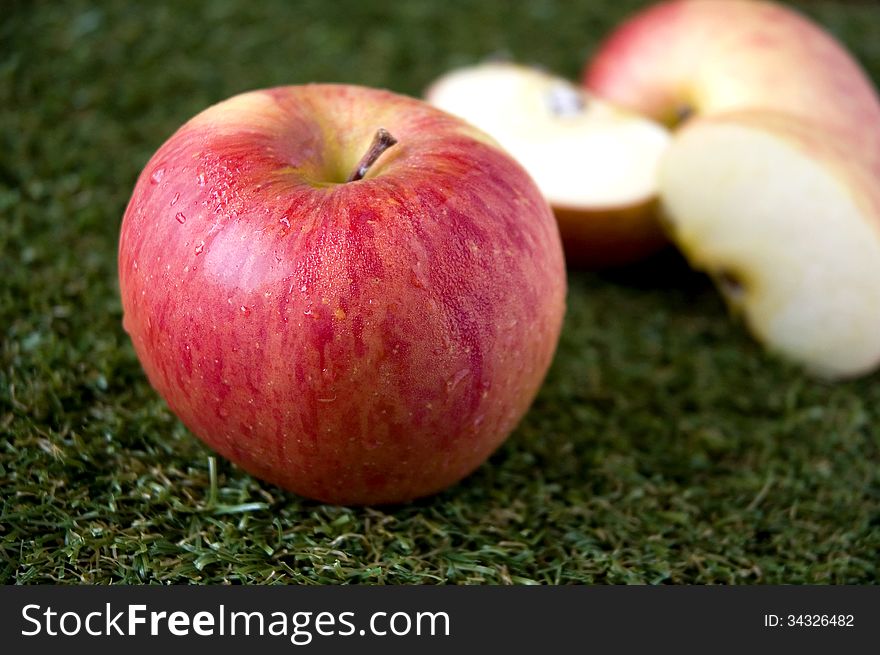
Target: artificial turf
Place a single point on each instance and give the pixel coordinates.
(665, 445)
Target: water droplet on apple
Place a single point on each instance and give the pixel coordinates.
(456, 379)
(175, 199)
(201, 179)
(246, 311)
(180, 218)
(285, 222)
(200, 247)
(157, 175)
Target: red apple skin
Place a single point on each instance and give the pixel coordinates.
(357, 343)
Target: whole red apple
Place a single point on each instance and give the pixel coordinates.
(357, 321)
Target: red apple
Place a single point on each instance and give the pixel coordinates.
(357, 341)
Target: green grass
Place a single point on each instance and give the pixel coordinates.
(664, 447)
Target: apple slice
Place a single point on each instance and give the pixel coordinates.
(595, 163)
(789, 228)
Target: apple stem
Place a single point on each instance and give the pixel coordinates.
(381, 142)
(683, 113)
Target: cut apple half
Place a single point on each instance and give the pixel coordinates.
(773, 184)
(595, 163)
(783, 220)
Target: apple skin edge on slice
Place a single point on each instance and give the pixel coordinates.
(595, 163)
(772, 185)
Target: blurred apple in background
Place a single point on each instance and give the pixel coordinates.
(773, 183)
(355, 320)
(595, 163)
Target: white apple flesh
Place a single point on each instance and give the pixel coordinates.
(798, 257)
